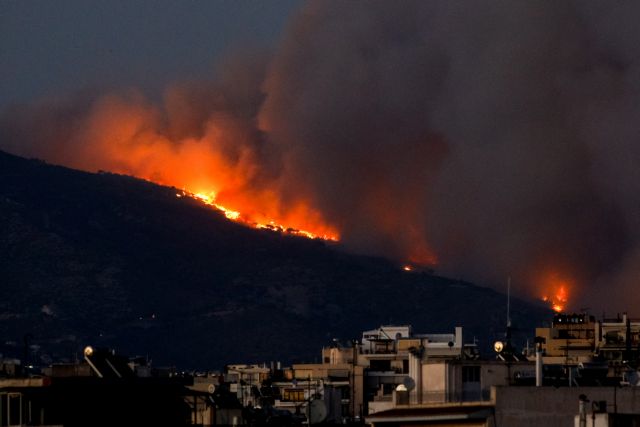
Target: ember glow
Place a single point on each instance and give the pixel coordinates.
(210, 199)
(556, 290)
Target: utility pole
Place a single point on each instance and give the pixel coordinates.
(353, 379)
(509, 302)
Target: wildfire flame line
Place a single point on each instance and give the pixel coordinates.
(558, 292)
(210, 200)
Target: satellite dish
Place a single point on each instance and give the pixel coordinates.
(498, 346)
(632, 378)
(316, 411)
(211, 388)
(409, 383)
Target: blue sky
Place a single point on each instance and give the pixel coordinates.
(52, 47)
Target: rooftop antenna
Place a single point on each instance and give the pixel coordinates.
(509, 302)
(508, 348)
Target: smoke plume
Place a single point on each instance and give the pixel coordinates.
(490, 138)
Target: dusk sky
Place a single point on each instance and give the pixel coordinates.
(49, 47)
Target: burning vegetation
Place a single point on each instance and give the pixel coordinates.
(210, 199)
(556, 291)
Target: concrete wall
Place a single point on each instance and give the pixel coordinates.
(442, 381)
(556, 407)
(380, 406)
(433, 382)
(498, 374)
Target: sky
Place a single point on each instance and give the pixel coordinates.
(51, 47)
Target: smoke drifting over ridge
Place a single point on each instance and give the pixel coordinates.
(494, 138)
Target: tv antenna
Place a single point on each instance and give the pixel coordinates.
(508, 302)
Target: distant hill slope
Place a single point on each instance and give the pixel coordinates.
(110, 260)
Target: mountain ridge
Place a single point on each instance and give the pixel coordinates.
(111, 260)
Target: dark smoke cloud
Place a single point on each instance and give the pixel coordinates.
(202, 132)
(499, 137)
(503, 132)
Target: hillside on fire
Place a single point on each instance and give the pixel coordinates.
(109, 260)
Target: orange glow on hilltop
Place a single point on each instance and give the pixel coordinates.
(210, 199)
(218, 164)
(423, 256)
(556, 291)
(213, 152)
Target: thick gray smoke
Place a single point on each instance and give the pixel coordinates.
(503, 132)
(496, 137)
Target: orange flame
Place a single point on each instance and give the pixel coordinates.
(218, 163)
(556, 291)
(210, 199)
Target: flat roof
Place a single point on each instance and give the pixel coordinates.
(433, 413)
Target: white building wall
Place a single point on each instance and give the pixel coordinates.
(415, 373)
(433, 382)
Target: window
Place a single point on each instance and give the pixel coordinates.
(15, 415)
(380, 365)
(293, 395)
(471, 374)
(387, 389)
(345, 392)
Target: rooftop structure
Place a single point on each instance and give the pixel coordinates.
(581, 342)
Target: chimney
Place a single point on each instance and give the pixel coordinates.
(459, 337)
